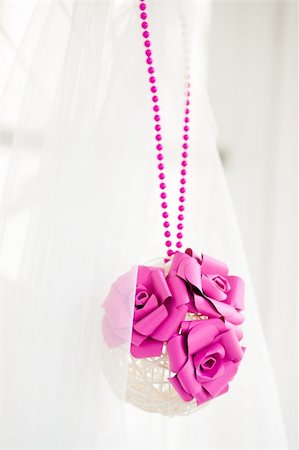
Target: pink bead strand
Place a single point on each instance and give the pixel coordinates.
(158, 138)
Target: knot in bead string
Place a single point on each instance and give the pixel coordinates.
(158, 138)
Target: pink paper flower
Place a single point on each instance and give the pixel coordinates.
(211, 290)
(205, 357)
(157, 315)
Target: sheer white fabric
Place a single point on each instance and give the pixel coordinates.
(80, 207)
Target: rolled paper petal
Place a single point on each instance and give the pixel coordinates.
(150, 306)
(160, 287)
(189, 270)
(217, 371)
(190, 252)
(214, 387)
(211, 265)
(205, 307)
(171, 324)
(211, 289)
(200, 399)
(148, 349)
(176, 261)
(202, 396)
(228, 312)
(141, 296)
(229, 340)
(177, 352)
(180, 390)
(149, 323)
(137, 338)
(187, 377)
(203, 334)
(112, 337)
(236, 295)
(238, 330)
(178, 289)
(187, 325)
(214, 348)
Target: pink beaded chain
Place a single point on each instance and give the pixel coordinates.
(159, 146)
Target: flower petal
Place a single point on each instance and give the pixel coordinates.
(151, 304)
(211, 289)
(171, 324)
(178, 289)
(137, 338)
(148, 349)
(204, 334)
(211, 265)
(177, 352)
(189, 270)
(113, 337)
(180, 390)
(149, 323)
(236, 295)
(159, 285)
(214, 387)
(188, 379)
(229, 340)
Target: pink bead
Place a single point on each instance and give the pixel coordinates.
(165, 214)
(149, 61)
(157, 117)
(161, 176)
(157, 127)
(186, 137)
(169, 252)
(168, 243)
(162, 185)
(151, 70)
(180, 226)
(143, 15)
(160, 156)
(152, 79)
(164, 205)
(166, 224)
(144, 25)
(142, 6)
(184, 163)
(182, 199)
(155, 98)
(181, 208)
(184, 172)
(179, 235)
(182, 190)
(185, 145)
(187, 110)
(160, 166)
(148, 52)
(158, 137)
(183, 181)
(145, 34)
(156, 108)
(167, 233)
(180, 217)
(184, 154)
(159, 147)
(179, 244)
(154, 89)
(187, 119)
(188, 102)
(186, 128)
(163, 195)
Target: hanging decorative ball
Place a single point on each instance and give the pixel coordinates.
(183, 332)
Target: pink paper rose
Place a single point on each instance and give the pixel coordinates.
(211, 290)
(157, 315)
(205, 357)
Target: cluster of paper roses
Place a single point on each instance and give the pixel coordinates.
(195, 310)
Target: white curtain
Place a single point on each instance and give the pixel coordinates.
(80, 206)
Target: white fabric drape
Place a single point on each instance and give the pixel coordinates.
(80, 206)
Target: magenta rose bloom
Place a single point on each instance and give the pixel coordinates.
(211, 290)
(205, 358)
(157, 315)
